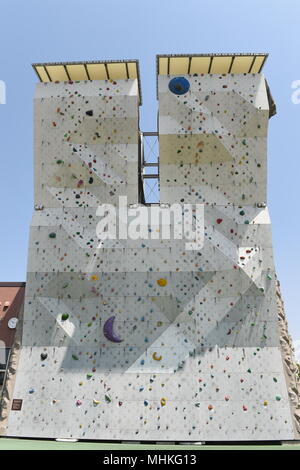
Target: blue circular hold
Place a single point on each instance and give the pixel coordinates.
(179, 85)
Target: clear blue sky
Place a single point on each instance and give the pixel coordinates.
(58, 30)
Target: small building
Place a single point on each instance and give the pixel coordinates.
(11, 310)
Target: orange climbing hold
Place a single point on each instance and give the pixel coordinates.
(155, 357)
(162, 282)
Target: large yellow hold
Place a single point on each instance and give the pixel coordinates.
(162, 282)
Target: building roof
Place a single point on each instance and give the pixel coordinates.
(169, 64)
(189, 64)
(89, 70)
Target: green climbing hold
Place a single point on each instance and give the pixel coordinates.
(278, 397)
(107, 399)
(89, 375)
(64, 316)
(242, 212)
(52, 235)
(269, 276)
(76, 358)
(59, 162)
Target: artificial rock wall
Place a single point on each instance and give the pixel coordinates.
(194, 352)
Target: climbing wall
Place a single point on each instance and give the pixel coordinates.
(144, 339)
(213, 152)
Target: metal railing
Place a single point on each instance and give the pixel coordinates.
(4, 370)
(149, 168)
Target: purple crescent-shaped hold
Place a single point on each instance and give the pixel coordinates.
(108, 331)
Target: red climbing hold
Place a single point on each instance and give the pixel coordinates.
(219, 221)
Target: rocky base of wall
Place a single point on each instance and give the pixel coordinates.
(290, 365)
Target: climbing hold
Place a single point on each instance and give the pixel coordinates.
(278, 397)
(265, 403)
(76, 358)
(245, 408)
(210, 407)
(226, 398)
(31, 390)
(179, 85)
(162, 282)
(163, 401)
(107, 399)
(94, 277)
(269, 276)
(64, 316)
(78, 402)
(108, 331)
(96, 402)
(52, 235)
(155, 357)
(44, 356)
(89, 113)
(89, 375)
(219, 221)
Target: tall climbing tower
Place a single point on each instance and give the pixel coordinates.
(151, 339)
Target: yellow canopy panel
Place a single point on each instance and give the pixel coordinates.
(95, 70)
(210, 63)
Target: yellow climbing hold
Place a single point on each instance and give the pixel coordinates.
(155, 357)
(265, 403)
(162, 282)
(96, 402)
(94, 277)
(163, 402)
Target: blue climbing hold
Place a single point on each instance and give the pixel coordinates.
(179, 85)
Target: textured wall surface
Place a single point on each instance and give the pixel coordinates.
(194, 353)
